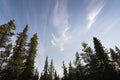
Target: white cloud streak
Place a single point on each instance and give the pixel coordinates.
(60, 22)
(110, 26)
(93, 10)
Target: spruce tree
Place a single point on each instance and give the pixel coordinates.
(71, 73)
(100, 53)
(28, 72)
(65, 73)
(45, 75)
(5, 41)
(6, 33)
(56, 77)
(79, 74)
(15, 65)
(105, 71)
(41, 77)
(36, 75)
(51, 70)
(117, 55)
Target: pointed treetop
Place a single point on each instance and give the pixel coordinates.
(25, 29)
(11, 23)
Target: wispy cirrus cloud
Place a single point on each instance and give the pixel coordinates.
(93, 10)
(60, 22)
(111, 25)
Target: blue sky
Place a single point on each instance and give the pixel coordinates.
(63, 24)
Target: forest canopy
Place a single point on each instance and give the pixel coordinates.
(17, 62)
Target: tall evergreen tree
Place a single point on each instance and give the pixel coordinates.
(5, 41)
(36, 75)
(6, 33)
(56, 77)
(28, 72)
(45, 75)
(41, 77)
(15, 65)
(100, 53)
(78, 68)
(105, 69)
(71, 73)
(51, 70)
(90, 61)
(65, 73)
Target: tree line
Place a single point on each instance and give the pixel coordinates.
(17, 62)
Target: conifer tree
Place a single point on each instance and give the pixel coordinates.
(56, 77)
(51, 70)
(15, 65)
(65, 73)
(118, 55)
(105, 70)
(45, 75)
(41, 77)
(100, 53)
(36, 75)
(28, 72)
(78, 68)
(5, 41)
(6, 33)
(71, 73)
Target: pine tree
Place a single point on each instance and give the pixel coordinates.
(56, 77)
(79, 74)
(51, 70)
(45, 75)
(65, 73)
(36, 75)
(71, 74)
(28, 72)
(15, 64)
(105, 70)
(117, 55)
(5, 41)
(41, 77)
(6, 33)
(100, 53)
(90, 61)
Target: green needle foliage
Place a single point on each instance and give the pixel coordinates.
(5, 41)
(28, 72)
(17, 62)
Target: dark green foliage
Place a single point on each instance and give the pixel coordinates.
(56, 77)
(36, 75)
(71, 73)
(105, 70)
(5, 41)
(65, 73)
(51, 70)
(45, 71)
(15, 64)
(18, 62)
(5, 44)
(28, 72)
(100, 53)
